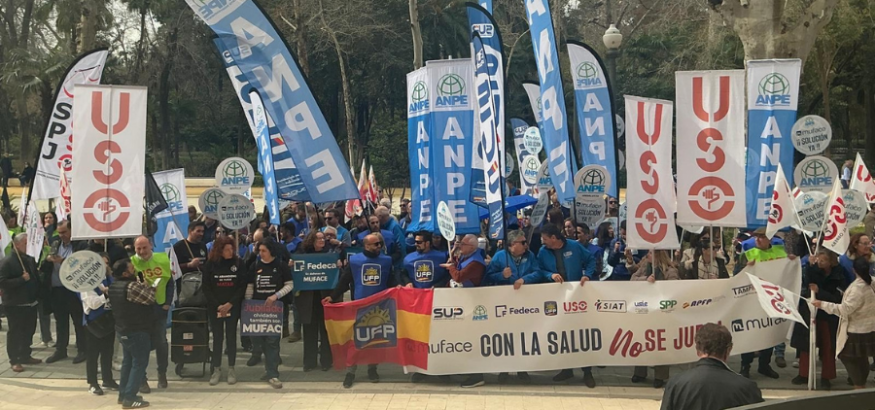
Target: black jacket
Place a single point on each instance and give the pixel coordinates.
(16, 291)
(224, 281)
(711, 385)
(129, 316)
(828, 285)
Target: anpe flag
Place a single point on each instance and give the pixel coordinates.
(389, 327)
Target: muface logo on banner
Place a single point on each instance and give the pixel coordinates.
(773, 93)
(650, 193)
(595, 113)
(56, 153)
(419, 150)
(816, 173)
(170, 230)
(110, 143)
(811, 134)
(811, 208)
(235, 175)
(235, 211)
(855, 206)
(453, 140)
(554, 128)
(710, 157)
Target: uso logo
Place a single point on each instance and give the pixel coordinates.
(650, 217)
(107, 209)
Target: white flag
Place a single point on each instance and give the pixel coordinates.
(5, 237)
(174, 263)
(36, 233)
(782, 212)
(22, 207)
(776, 301)
(861, 180)
(835, 229)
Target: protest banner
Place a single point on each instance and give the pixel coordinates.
(172, 222)
(258, 319)
(234, 175)
(811, 134)
(816, 173)
(82, 271)
(315, 271)
(811, 207)
(209, 202)
(235, 211)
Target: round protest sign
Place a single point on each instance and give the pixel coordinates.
(811, 134)
(621, 158)
(209, 202)
(855, 207)
(544, 181)
(508, 165)
(693, 228)
(592, 180)
(816, 173)
(82, 271)
(623, 211)
(235, 211)
(540, 210)
(621, 125)
(446, 223)
(532, 141)
(531, 166)
(589, 209)
(234, 175)
(810, 207)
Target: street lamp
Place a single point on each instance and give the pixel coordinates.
(612, 39)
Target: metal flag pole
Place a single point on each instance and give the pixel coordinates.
(812, 343)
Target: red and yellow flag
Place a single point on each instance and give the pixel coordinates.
(389, 327)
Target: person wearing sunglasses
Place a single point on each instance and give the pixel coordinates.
(370, 273)
(705, 262)
(423, 267)
(332, 219)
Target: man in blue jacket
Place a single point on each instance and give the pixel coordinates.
(389, 223)
(570, 261)
(423, 267)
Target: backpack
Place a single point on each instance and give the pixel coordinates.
(191, 293)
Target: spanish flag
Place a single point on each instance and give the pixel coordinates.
(389, 327)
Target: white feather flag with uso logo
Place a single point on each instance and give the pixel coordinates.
(835, 229)
(782, 212)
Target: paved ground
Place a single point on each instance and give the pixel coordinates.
(62, 385)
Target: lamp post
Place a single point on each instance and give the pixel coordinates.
(612, 39)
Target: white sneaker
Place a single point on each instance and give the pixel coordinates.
(232, 375)
(214, 378)
(117, 366)
(795, 364)
(275, 383)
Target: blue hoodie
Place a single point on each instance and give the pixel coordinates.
(398, 233)
(578, 261)
(527, 269)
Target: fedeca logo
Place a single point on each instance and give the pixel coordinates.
(504, 310)
(610, 306)
(588, 75)
(774, 90)
(451, 91)
(418, 97)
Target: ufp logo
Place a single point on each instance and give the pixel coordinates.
(423, 271)
(588, 75)
(419, 97)
(774, 89)
(235, 173)
(551, 308)
(485, 30)
(171, 195)
(451, 91)
(371, 274)
(375, 326)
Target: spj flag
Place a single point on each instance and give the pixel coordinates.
(389, 327)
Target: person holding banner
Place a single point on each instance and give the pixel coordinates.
(308, 304)
(423, 267)
(65, 303)
(155, 268)
(564, 260)
(369, 273)
(21, 288)
(133, 300)
(856, 337)
(657, 266)
(100, 330)
(224, 285)
(269, 280)
(825, 277)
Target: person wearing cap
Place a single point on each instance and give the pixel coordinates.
(763, 250)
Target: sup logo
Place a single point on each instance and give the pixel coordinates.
(171, 195)
(588, 75)
(774, 90)
(419, 97)
(235, 173)
(375, 326)
(451, 91)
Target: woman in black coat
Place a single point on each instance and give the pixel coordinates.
(224, 285)
(825, 276)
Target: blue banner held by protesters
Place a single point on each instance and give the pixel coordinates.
(317, 271)
(265, 60)
(265, 157)
(489, 140)
(419, 146)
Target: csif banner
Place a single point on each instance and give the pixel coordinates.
(561, 164)
(289, 183)
(490, 140)
(57, 144)
(419, 148)
(650, 191)
(173, 221)
(264, 59)
(593, 100)
(265, 157)
(710, 148)
(772, 97)
(110, 148)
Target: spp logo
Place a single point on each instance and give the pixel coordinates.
(697, 303)
(588, 75)
(375, 326)
(423, 271)
(480, 313)
(612, 306)
(574, 307)
(774, 90)
(667, 305)
(485, 30)
(551, 308)
(371, 274)
(451, 92)
(448, 313)
(418, 97)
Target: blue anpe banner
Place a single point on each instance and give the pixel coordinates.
(419, 151)
(488, 136)
(265, 60)
(265, 158)
(554, 131)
